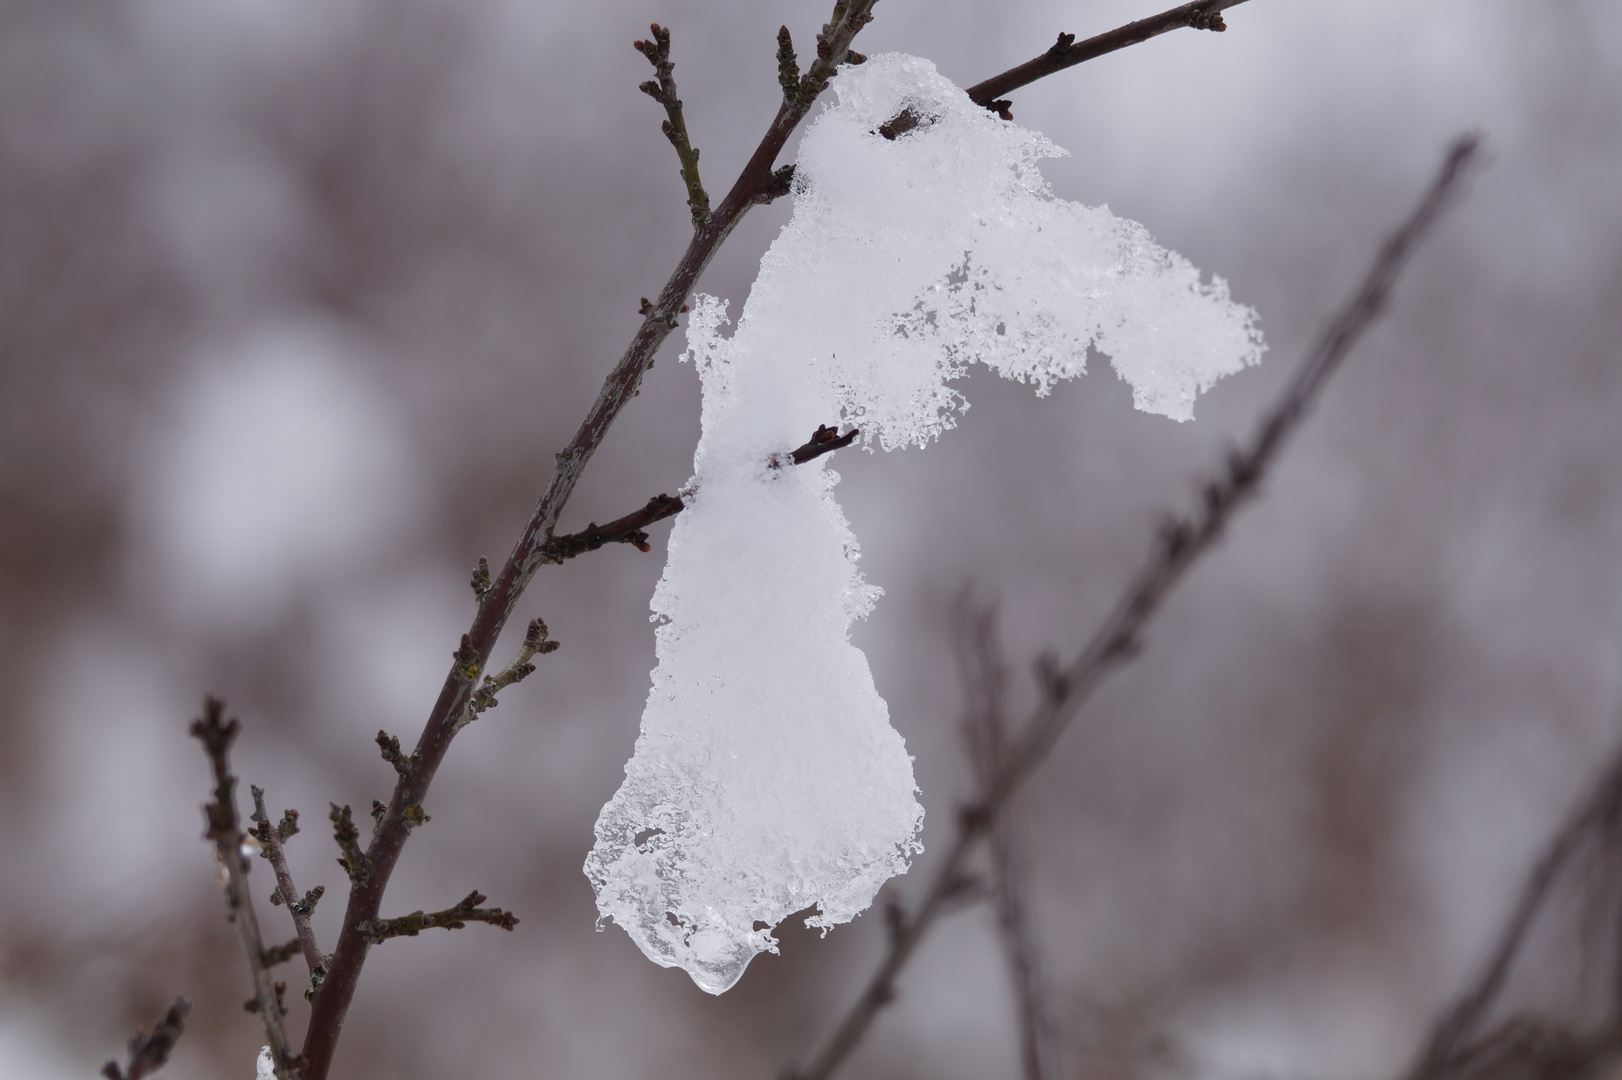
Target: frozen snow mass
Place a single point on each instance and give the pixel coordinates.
(767, 778)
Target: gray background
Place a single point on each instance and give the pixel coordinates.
(298, 297)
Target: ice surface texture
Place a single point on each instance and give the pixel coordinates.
(767, 778)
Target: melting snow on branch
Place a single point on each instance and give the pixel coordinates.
(767, 779)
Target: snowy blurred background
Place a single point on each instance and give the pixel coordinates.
(298, 298)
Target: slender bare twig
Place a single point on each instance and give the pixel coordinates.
(663, 90)
(452, 918)
(623, 530)
(758, 182)
(150, 1050)
(536, 643)
(225, 830)
(1455, 1045)
(1068, 52)
(984, 674)
(270, 839)
(1179, 543)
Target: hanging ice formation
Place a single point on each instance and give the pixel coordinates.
(767, 778)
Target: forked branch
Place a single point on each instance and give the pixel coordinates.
(225, 831)
(1178, 545)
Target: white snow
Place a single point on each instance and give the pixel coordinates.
(265, 1067)
(767, 778)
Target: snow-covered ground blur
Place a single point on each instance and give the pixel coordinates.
(298, 299)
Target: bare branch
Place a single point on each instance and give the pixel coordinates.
(663, 90)
(150, 1050)
(1067, 52)
(824, 440)
(535, 644)
(1180, 542)
(984, 674)
(759, 181)
(225, 830)
(270, 847)
(625, 530)
(452, 918)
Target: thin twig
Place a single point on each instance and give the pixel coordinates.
(629, 529)
(1179, 543)
(984, 674)
(225, 830)
(150, 1050)
(270, 839)
(663, 90)
(758, 182)
(536, 643)
(452, 918)
(825, 440)
(1067, 52)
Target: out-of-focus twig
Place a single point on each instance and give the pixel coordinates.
(225, 831)
(1457, 1044)
(984, 675)
(1179, 543)
(150, 1050)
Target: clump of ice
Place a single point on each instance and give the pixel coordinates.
(767, 778)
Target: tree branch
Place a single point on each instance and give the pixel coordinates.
(452, 918)
(535, 644)
(149, 1051)
(1067, 52)
(623, 530)
(984, 674)
(225, 830)
(758, 182)
(663, 90)
(270, 839)
(1179, 543)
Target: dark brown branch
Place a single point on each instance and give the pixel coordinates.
(1067, 52)
(225, 830)
(1453, 1047)
(824, 440)
(150, 1050)
(270, 839)
(984, 674)
(453, 918)
(1179, 543)
(663, 90)
(631, 529)
(625, 530)
(759, 181)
